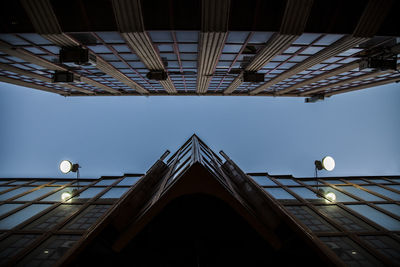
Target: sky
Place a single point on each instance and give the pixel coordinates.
(117, 135)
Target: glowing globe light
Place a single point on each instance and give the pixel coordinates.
(328, 163)
(65, 196)
(330, 196)
(65, 166)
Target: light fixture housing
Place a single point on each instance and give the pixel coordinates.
(327, 163)
(66, 166)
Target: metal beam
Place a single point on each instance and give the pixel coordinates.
(214, 31)
(128, 15)
(370, 21)
(45, 23)
(32, 85)
(293, 24)
(42, 78)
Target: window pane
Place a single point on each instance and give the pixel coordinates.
(304, 193)
(14, 192)
(35, 194)
(53, 217)
(40, 182)
(13, 244)
(57, 195)
(115, 193)
(22, 215)
(377, 217)
(383, 191)
(344, 218)
(279, 193)
(87, 217)
(357, 181)
(340, 197)
(386, 245)
(88, 193)
(396, 187)
(361, 193)
(349, 252)
(50, 251)
(311, 219)
(129, 181)
(393, 208)
(378, 181)
(262, 180)
(334, 181)
(106, 182)
(8, 207)
(287, 182)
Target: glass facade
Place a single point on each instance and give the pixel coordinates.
(36, 214)
(361, 224)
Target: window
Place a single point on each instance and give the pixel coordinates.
(87, 217)
(304, 193)
(377, 217)
(13, 244)
(129, 181)
(22, 215)
(279, 193)
(339, 195)
(106, 182)
(115, 193)
(57, 195)
(262, 180)
(311, 219)
(386, 245)
(393, 208)
(14, 193)
(36, 194)
(8, 207)
(383, 191)
(361, 193)
(52, 218)
(287, 182)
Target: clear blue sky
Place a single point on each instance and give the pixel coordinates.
(117, 135)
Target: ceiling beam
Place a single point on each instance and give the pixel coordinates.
(368, 24)
(45, 22)
(128, 15)
(293, 24)
(43, 78)
(214, 31)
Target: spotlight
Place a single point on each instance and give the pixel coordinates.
(65, 196)
(66, 166)
(327, 163)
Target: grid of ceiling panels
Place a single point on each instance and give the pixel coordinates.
(41, 219)
(361, 226)
(179, 52)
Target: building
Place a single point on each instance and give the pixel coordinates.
(196, 208)
(304, 48)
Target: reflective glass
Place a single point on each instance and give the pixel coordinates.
(279, 193)
(339, 195)
(57, 195)
(88, 193)
(379, 181)
(357, 181)
(8, 207)
(22, 215)
(396, 187)
(383, 192)
(13, 244)
(393, 208)
(106, 182)
(287, 182)
(377, 217)
(14, 192)
(386, 245)
(115, 193)
(4, 188)
(35, 194)
(262, 180)
(19, 182)
(304, 193)
(334, 182)
(360, 193)
(40, 182)
(129, 181)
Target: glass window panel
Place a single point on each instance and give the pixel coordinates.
(187, 36)
(4, 188)
(35, 194)
(383, 191)
(329, 39)
(232, 48)
(53, 217)
(187, 47)
(292, 49)
(14, 192)
(22, 215)
(61, 183)
(12, 245)
(165, 48)
(4, 182)
(12, 39)
(340, 197)
(110, 37)
(88, 193)
(344, 218)
(306, 38)
(106, 182)
(349, 252)
(121, 48)
(393, 208)
(50, 251)
(87, 217)
(57, 195)
(263, 181)
(311, 50)
(40, 182)
(115, 193)
(311, 219)
(310, 182)
(8, 207)
(396, 187)
(287, 182)
(378, 181)
(99, 49)
(333, 181)
(357, 181)
(386, 245)
(360, 193)
(237, 37)
(19, 182)
(160, 36)
(260, 37)
(279, 193)
(377, 217)
(129, 181)
(304, 193)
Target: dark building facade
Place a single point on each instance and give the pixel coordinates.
(196, 208)
(300, 48)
